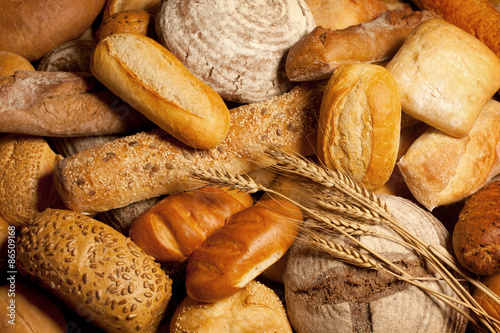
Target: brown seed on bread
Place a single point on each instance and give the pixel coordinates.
(95, 270)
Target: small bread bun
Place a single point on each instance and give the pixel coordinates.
(27, 187)
(26, 308)
(10, 62)
(156, 83)
(359, 123)
(255, 308)
(490, 306)
(136, 21)
(116, 6)
(32, 28)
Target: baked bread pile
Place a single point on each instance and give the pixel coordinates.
(127, 129)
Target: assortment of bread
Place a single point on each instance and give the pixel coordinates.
(145, 147)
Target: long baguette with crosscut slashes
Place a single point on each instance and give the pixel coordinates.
(158, 85)
(150, 164)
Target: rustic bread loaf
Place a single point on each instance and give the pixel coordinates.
(331, 296)
(32, 28)
(236, 47)
(359, 123)
(158, 85)
(255, 308)
(11, 62)
(177, 225)
(446, 76)
(63, 104)
(151, 164)
(26, 308)
(27, 164)
(317, 55)
(476, 236)
(340, 14)
(232, 256)
(440, 169)
(94, 269)
(72, 56)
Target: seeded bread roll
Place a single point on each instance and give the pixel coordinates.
(255, 308)
(359, 123)
(158, 85)
(95, 270)
(476, 236)
(27, 164)
(137, 21)
(236, 47)
(116, 6)
(150, 164)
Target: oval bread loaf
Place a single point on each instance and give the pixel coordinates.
(157, 84)
(95, 270)
(359, 123)
(251, 241)
(177, 225)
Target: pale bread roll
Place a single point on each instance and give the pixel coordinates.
(236, 47)
(359, 123)
(332, 297)
(256, 308)
(440, 169)
(446, 76)
(158, 85)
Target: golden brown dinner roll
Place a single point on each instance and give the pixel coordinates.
(10, 62)
(446, 76)
(476, 236)
(255, 308)
(359, 123)
(251, 241)
(340, 14)
(32, 28)
(177, 225)
(491, 307)
(137, 21)
(116, 6)
(27, 187)
(95, 270)
(27, 308)
(156, 83)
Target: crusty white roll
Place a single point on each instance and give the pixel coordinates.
(446, 76)
(440, 169)
(236, 47)
(256, 308)
(359, 123)
(158, 85)
(251, 241)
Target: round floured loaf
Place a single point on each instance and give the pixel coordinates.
(236, 47)
(330, 296)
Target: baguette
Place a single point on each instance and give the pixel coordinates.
(480, 18)
(150, 164)
(177, 225)
(94, 270)
(318, 54)
(56, 104)
(157, 84)
(251, 241)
